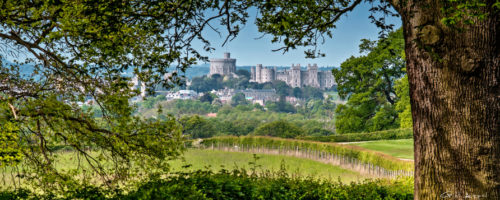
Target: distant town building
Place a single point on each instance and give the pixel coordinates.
(294, 77)
(224, 66)
(182, 94)
(252, 95)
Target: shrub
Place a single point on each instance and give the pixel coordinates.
(393, 134)
(279, 129)
(237, 184)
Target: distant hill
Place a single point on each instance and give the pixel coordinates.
(193, 71)
(25, 69)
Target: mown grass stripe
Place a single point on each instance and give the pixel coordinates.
(363, 155)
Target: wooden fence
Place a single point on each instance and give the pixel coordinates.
(324, 157)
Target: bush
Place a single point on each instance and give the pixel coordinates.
(393, 134)
(197, 127)
(238, 184)
(279, 129)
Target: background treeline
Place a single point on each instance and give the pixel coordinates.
(393, 134)
(243, 118)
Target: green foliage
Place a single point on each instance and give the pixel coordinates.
(235, 127)
(316, 108)
(465, 12)
(243, 73)
(280, 106)
(368, 83)
(239, 99)
(392, 134)
(238, 184)
(363, 156)
(206, 84)
(403, 106)
(10, 149)
(318, 132)
(279, 128)
(150, 102)
(306, 120)
(207, 97)
(197, 127)
(81, 49)
(181, 107)
(310, 93)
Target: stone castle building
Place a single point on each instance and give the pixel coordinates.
(294, 77)
(224, 66)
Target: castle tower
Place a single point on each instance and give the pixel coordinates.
(252, 74)
(267, 75)
(296, 80)
(258, 73)
(224, 66)
(312, 73)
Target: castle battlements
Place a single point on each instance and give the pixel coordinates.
(294, 77)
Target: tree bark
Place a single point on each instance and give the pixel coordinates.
(454, 89)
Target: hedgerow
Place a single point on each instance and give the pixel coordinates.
(363, 155)
(392, 134)
(238, 184)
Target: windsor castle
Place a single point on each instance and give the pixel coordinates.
(294, 77)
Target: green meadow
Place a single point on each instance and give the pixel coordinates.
(398, 148)
(217, 160)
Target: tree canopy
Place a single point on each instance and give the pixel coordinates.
(368, 82)
(279, 129)
(78, 51)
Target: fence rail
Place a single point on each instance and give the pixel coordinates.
(324, 157)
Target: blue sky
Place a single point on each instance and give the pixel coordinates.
(346, 37)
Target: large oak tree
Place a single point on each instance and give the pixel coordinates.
(453, 64)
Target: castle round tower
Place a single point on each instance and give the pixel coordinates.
(224, 66)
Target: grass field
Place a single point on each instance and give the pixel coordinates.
(216, 160)
(398, 148)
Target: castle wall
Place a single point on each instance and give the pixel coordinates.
(294, 77)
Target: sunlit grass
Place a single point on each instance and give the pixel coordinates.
(398, 148)
(216, 160)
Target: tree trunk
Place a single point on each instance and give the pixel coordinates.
(454, 88)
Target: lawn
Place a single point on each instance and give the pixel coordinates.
(398, 148)
(216, 160)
